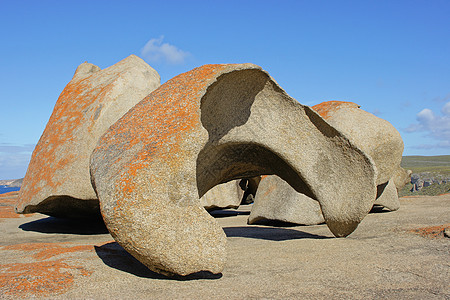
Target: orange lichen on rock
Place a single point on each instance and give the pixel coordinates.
(47, 250)
(172, 113)
(39, 278)
(270, 189)
(7, 201)
(92, 101)
(326, 108)
(207, 127)
(431, 231)
(9, 194)
(43, 276)
(58, 134)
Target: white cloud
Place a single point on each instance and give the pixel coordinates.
(157, 51)
(437, 126)
(446, 109)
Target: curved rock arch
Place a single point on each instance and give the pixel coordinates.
(211, 125)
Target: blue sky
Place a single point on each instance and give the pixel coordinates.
(391, 57)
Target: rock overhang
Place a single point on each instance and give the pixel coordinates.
(204, 127)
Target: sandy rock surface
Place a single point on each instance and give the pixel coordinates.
(391, 255)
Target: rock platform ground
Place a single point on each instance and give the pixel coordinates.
(391, 255)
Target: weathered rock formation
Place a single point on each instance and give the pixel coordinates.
(276, 200)
(388, 198)
(57, 181)
(225, 195)
(231, 194)
(401, 178)
(375, 136)
(211, 125)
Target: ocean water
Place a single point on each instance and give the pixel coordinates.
(6, 189)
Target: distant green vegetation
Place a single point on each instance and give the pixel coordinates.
(432, 190)
(434, 164)
(439, 165)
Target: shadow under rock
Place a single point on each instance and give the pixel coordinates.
(272, 234)
(66, 226)
(377, 209)
(221, 213)
(277, 223)
(114, 256)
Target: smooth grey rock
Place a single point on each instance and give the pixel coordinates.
(58, 181)
(207, 126)
(276, 200)
(375, 136)
(389, 197)
(401, 178)
(225, 195)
